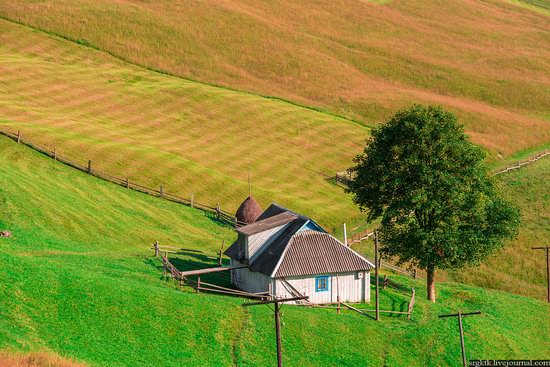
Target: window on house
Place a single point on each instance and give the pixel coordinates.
(321, 283)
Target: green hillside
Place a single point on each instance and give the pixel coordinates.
(78, 279)
(517, 268)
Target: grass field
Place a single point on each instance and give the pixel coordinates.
(78, 280)
(485, 60)
(187, 136)
(517, 268)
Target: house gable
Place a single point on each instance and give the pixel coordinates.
(257, 243)
(312, 226)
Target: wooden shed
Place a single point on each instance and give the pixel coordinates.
(289, 255)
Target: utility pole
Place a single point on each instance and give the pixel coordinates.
(460, 315)
(547, 268)
(276, 302)
(345, 235)
(376, 275)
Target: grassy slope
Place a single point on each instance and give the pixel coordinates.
(517, 268)
(486, 60)
(157, 129)
(78, 279)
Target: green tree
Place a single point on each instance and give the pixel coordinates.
(439, 206)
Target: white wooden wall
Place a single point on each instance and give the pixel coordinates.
(350, 287)
(249, 281)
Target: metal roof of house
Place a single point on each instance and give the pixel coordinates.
(267, 262)
(264, 224)
(312, 252)
(295, 253)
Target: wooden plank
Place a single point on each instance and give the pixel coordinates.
(263, 294)
(353, 308)
(250, 295)
(212, 270)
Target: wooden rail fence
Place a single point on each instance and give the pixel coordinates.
(168, 269)
(88, 168)
(520, 164)
(359, 237)
(343, 178)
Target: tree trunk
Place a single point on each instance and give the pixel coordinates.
(431, 283)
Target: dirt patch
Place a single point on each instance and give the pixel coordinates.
(37, 359)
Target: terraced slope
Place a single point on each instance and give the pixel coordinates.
(486, 60)
(187, 136)
(78, 280)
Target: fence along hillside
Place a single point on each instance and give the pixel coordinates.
(343, 178)
(220, 214)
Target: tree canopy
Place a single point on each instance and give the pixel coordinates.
(438, 203)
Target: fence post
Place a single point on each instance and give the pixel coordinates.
(18, 136)
(192, 200)
(161, 191)
(217, 211)
(55, 154)
(90, 167)
(127, 183)
(220, 255)
(156, 248)
(198, 284)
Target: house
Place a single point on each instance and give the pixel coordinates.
(289, 255)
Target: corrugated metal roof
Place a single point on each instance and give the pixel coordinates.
(268, 260)
(313, 252)
(267, 223)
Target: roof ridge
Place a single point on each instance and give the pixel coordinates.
(287, 246)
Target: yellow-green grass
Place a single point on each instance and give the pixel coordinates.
(157, 129)
(78, 280)
(485, 60)
(517, 268)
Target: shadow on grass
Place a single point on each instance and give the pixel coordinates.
(189, 260)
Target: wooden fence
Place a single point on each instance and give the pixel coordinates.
(520, 164)
(541, 3)
(168, 269)
(359, 237)
(159, 192)
(343, 178)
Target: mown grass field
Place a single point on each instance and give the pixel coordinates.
(517, 268)
(189, 137)
(485, 60)
(79, 280)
